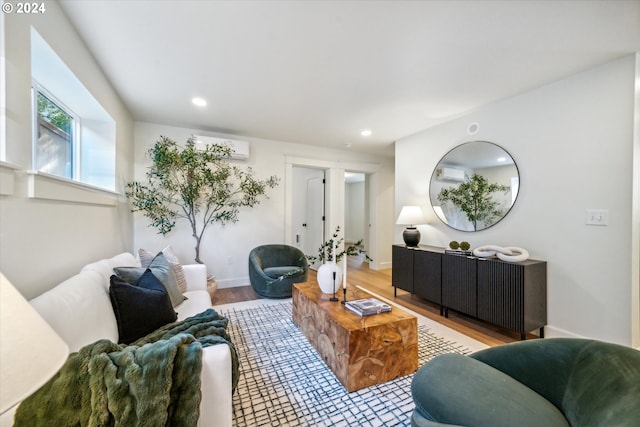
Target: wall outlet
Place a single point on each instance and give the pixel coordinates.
(597, 217)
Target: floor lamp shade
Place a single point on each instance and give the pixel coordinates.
(30, 350)
(411, 216)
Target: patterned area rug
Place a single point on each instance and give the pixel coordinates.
(283, 381)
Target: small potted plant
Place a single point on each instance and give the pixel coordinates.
(328, 254)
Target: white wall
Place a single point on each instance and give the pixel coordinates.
(43, 241)
(573, 143)
(225, 250)
(355, 223)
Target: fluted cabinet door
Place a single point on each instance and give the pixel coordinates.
(501, 294)
(513, 296)
(402, 271)
(427, 275)
(459, 287)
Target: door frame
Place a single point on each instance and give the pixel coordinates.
(335, 191)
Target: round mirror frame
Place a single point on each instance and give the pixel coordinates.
(455, 175)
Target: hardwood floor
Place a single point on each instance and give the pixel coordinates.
(379, 282)
(231, 295)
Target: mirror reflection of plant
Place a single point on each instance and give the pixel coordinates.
(474, 197)
(196, 184)
(325, 251)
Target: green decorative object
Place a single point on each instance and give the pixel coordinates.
(454, 245)
(197, 184)
(325, 251)
(465, 246)
(474, 198)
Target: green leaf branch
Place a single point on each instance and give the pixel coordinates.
(325, 251)
(474, 197)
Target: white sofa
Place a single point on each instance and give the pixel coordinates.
(80, 311)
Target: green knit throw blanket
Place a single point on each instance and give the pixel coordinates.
(155, 381)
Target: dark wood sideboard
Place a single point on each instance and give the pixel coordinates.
(512, 295)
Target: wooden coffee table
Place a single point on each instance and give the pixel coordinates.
(360, 351)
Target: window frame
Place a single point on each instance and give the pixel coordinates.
(76, 128)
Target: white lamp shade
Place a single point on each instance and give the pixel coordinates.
(411, 215)
(30, 350)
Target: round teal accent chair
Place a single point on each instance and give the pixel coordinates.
(542, 382)
(273, 269)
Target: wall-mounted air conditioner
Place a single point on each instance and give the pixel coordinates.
(450, 174)
(239, 149)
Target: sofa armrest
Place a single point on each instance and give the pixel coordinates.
(216, 407)
(195, 276)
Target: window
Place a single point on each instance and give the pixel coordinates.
(73, 135)
(54, 133)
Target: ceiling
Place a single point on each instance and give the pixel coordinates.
(320, 72)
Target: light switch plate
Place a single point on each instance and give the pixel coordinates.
(597, 217)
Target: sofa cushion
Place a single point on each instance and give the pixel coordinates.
(79, 310)
(160, 268)
(456, 389)
(196, 302)
(140, 308)
(147, 257)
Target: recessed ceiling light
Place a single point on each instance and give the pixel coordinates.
(366, 132)
(501, 159)
(200, 102)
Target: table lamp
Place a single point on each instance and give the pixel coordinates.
(30, 350)
(411, 216)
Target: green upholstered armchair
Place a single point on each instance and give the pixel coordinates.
(543, 382)
(274, 268)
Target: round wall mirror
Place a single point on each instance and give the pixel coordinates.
(474, 186)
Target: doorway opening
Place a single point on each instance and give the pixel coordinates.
(356, 209)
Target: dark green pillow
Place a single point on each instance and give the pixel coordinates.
(141, 308)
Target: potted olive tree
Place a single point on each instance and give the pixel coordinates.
(196, 184)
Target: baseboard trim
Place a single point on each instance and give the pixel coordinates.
(233, 283)
(553, 332)
(380, 265)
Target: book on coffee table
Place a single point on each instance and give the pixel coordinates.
(367, 306)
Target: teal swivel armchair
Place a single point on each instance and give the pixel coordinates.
(543, 382)
(274, 268)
